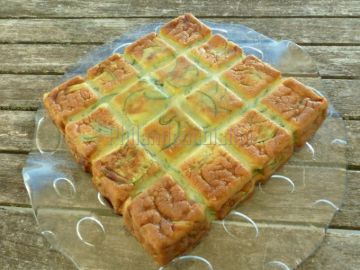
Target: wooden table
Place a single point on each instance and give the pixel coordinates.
(39, 39)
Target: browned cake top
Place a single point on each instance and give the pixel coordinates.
(111, 73)
(258, 137)
(127, 164)
(214, 172)
(250, 77)
(68, 99)
(164, 211)
(217, 53)
(295, 102)
(180, 129)
(185, 30)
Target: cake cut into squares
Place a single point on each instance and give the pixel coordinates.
(209, 123)
(180, 76)
(213, 103)
(113, 74)
(299, 106)
(141, 102)
(115, 174)
(218, 176)
(217, 53)
(68, 99)
(264, 144)
(88, 136)
(185, 31)
(172, 134)
(150, 52)
(165, 221)
(250, 77)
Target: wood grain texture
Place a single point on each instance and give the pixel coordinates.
(13, 191)
(68, 29)
(334, 61)
(344, 95)
(349, 215)
(300, 30)
(154, 8)
(22, 247)
(24, 92)
(17, 131)
(353, 138)
(339, 251)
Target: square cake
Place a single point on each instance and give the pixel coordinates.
(218, 176)
(302, 110)
(250, 77)
(150, 52)
(115, 174)
(180, 76)
(88, 136)
(264, 144)
(217, 53)
(112, 74)
(165, 220)
(140, 124)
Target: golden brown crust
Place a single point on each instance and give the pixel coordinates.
(114, 72)
(115, 174)
(213, 102)
(299, 106)
(69, 98)
(180, 76)
(165, 221)
(250, 77)
(217, 53)
(242, 195)
(89, 135)
(218, 176)
(150, 51)
(171, 134)
(141, 102)
(185, 30)
(266, 145)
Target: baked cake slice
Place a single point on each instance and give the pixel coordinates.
(165, 221)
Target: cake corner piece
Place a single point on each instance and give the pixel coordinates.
(299, 107)
(185, 31)
(165, 221)
(68, 99)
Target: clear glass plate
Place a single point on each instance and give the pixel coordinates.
(279, 227)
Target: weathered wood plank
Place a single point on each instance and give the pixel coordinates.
(32, 58)
(17, 130)
(55, 58)
(340, 250)
(344, 95)
(300, 30)
(23, 248)
(349, 215)
(24, 92)
(336, 60)
(13, 191)
(114, 8)
(353, 147)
